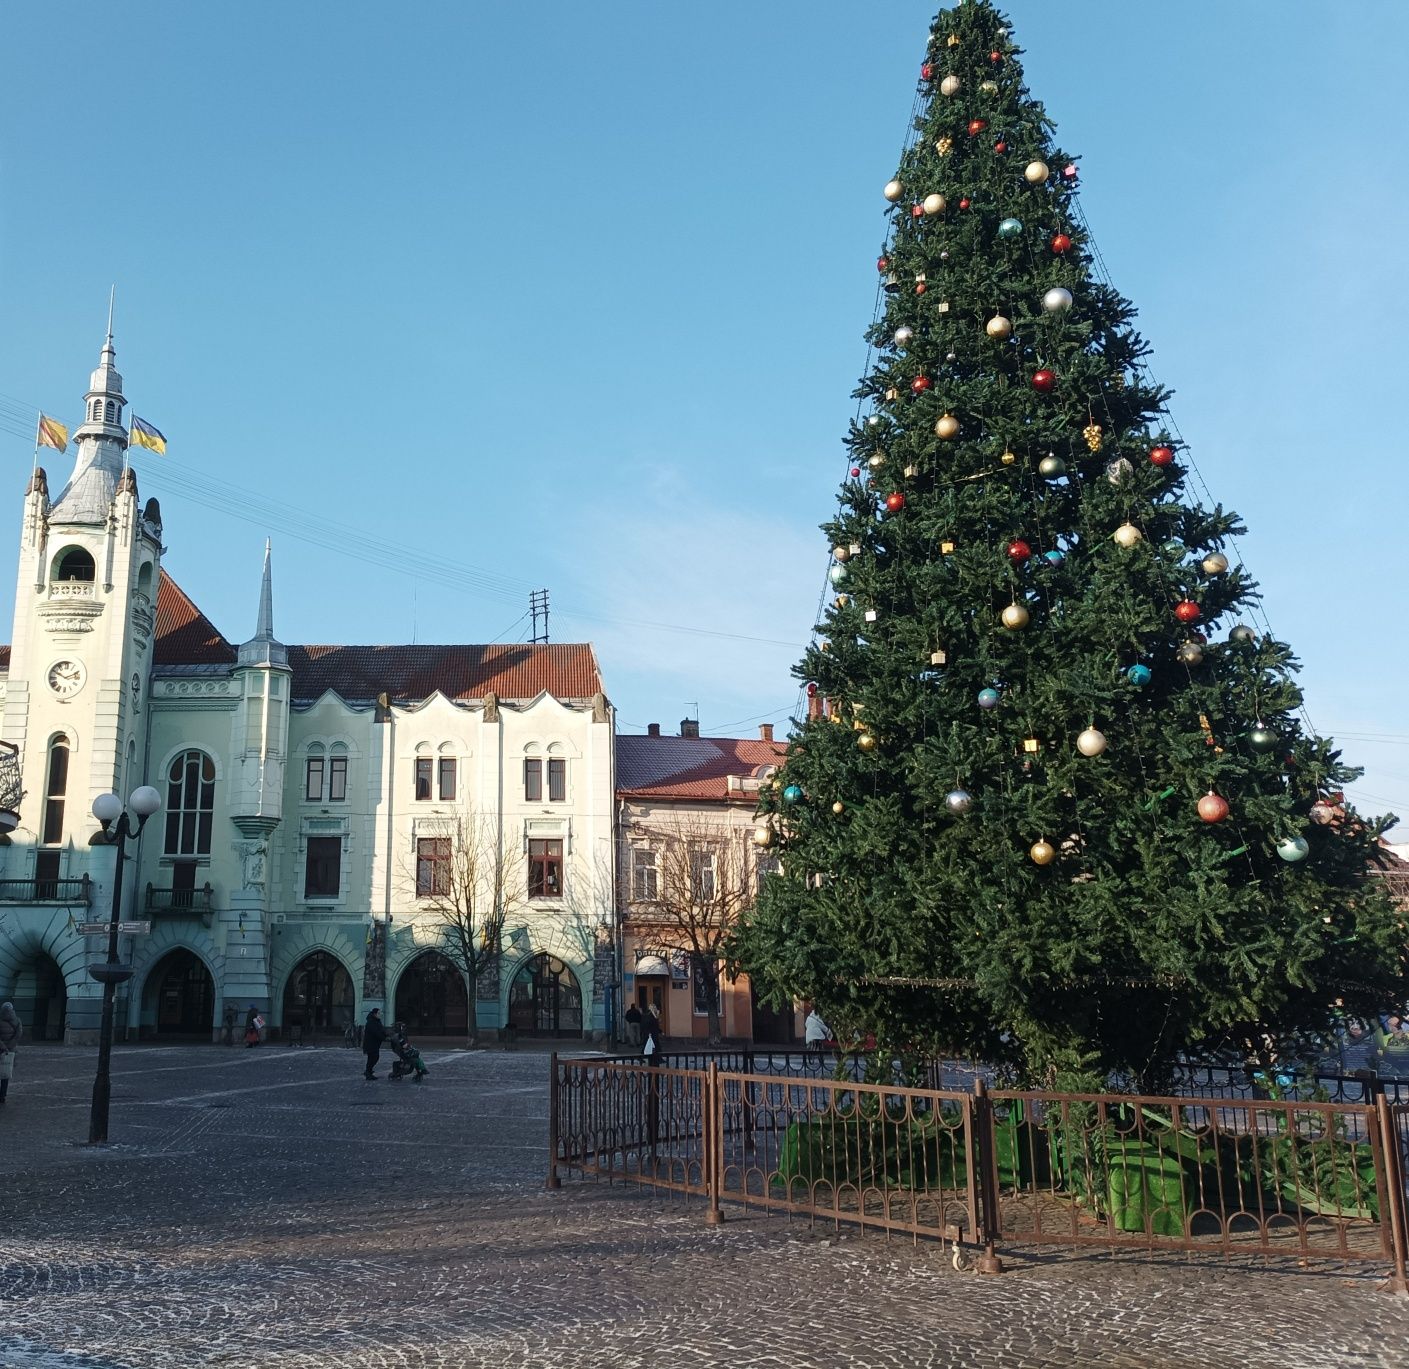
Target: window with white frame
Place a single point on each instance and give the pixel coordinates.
(322, 871)
(702, 876)
(704, 979)
(190, 804)
(645, 874)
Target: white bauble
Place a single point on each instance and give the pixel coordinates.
(1215, 563)
(1091, 742)
(1036, 172)
(1127, 535)
(1056, 300)
(933, 204)
(893, 191)
(1016, 617)
(904, 337)
(946, 426)
(999, 327)
(950, 85)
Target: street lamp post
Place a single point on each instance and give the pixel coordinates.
(117, 821)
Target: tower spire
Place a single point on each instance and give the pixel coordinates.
(112, 295)
(264, 648)
(101, 442)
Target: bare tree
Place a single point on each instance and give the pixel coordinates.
(703, 880)
(469, 882)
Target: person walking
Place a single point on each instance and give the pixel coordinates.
(252, 1026)
(10, 1033)
(816, 1033)
(655, 1034)
(373, 1034)
(633, 1025)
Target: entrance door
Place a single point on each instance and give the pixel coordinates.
(431, 997)
(185, 995)
(41, 999)
(545, 1000)
(318, 995)
(772, 1026)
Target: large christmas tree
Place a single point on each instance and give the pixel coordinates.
(1052, 804)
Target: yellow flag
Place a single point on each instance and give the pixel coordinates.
(52, 433)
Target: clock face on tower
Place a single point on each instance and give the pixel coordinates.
(66, 678)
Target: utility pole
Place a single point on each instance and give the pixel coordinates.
(538, 607)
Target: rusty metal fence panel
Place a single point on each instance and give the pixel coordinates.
(1232, 1175)
(890, 1158)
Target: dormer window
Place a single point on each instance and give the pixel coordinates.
(112, 412)
(74, 564)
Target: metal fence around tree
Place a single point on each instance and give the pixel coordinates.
(1193, 1171)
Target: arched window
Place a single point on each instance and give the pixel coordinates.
(74, 563)
(313, 774)
(97, 414)
(337, 773)
(190, 804)
(144, 579)
(112, 412)
(55, 788)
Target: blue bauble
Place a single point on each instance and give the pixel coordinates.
(1010, 228)
(792, 794)
(1293, 849)
(988, 698)
(1138, 675)
(1054, 558)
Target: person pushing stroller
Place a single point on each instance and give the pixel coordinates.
(408, 1058)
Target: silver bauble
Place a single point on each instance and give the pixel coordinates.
(1119, 471)
(904, 336)
(1215, 563)
(837, 574)
(1190, 654)
(1091, 742)
(950, 85)
(893, 191)
(1293, 849)
(1056, 299)
(958, 801)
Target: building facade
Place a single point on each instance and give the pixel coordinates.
(312, 796)
(687, 864)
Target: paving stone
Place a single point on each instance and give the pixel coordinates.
(271, 1208)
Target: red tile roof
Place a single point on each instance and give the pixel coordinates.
(564, 670)
(185, 636)
(690, 767)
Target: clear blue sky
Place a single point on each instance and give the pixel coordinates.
(573, 296)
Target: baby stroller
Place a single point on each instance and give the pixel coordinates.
(408, 1058)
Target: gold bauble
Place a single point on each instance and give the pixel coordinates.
(866, 742)
(1008, 458)
(1015, 617)
(1215, 563)
(946, 426)
(1094, 436)
(944, 146)
(1042, 852)
(839, 808)
(893, 191)
(1036, 172)
(840, 553)
(933, 204)
(999, 327)
(763, 836)
(1127, 535)
(988, 87)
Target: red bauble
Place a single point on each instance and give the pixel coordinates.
(1213, 808)
(1069, 171)
(920, 384)
(882, 263)
(1044, 380)
(916, 210)
(895, 502)
(812, 689)
(1060, 243)
(855, 471)
(995, 57)
(964, 203)
(1000, 146)
(976, 126)
(1018, 550)
(920, 288)
(1161, 456)
(1187, 611)
(926, 71)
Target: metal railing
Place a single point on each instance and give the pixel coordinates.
(1313, 1180)
(180, 902)
(47, 891)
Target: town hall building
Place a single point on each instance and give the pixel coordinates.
(311, 795)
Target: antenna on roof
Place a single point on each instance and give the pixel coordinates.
(538, 607)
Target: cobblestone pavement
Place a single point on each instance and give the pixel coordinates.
(268, 1208)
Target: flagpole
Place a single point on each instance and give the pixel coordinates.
(38, 426)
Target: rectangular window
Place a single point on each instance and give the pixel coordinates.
(432, 867)
(337, 779)
(533, 781)
(704, 976)
(447, 779)
(313, 779)
(557, 781)
(545, 869)
(702, 876)
(53, 822)
(767, 865)
(323, 871)
(46, 874)
(424, 768)
(645, 875)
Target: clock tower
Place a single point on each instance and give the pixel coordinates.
(85, 617)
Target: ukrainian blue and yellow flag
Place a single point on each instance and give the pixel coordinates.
(144, 435)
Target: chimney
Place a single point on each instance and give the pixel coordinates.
(814, 707)
(653, 729)
(765, 732)
(689, 727)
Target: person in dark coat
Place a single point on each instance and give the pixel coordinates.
(373, 1034)
(10, 1033)
(633, 1025)
(655, 1034)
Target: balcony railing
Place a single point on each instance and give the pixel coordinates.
(180, 902)
(47, 891)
